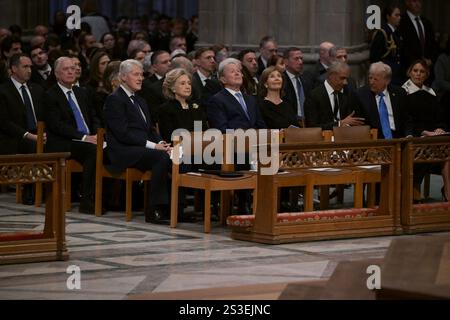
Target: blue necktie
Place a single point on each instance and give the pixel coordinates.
(81, 125)
(384, 118)
(301, 97)
(31, 120)
(242, 103)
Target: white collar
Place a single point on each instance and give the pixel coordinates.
(411, 88)
(128, 92)
(330, 89)
(158, 76)
(203, 78)
(412, 17)
(392, 27)
(291, 75)
(264, 61)
(233, 92)
(65, 90)
(17, 84)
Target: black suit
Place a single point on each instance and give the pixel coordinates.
(397, 97)
(319, 112)
(411, 43)
(386, 47)
(153, 96)
(14, 118)
(225, 112)
(319, 74)
(289, 91)
(127, 134)
(62, 131)
(37, 78)
(261, 66)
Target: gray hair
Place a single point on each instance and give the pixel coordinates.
(127, 66)
(380, 67)
(226, 62)
(136, 45)
(170, 80)
(337, 66)
(333, 51)
(59, 61)
(183, 63)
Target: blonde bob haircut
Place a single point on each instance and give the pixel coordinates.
(171, 78)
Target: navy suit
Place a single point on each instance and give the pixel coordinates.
(127, 133)
(401, 120)
(62, 130)
(225, 112)
(289, 91)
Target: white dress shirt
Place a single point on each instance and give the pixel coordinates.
(330, 92)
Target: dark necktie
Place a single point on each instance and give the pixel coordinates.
(81, 125)
(301, 97)
(336, 105)
(31, 120)
(138, 107)
(384, 118)
(421, 34)
(242, 103)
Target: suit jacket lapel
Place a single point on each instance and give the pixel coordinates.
(133, 107)
(395, 105)
(373, 108)
(233, 100)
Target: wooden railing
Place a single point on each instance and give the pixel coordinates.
(48, 245)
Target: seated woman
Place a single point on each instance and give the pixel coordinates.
(277, 114)
(179, 112)
(427, 121)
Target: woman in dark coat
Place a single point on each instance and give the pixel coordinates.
(277, 113)
(427, 121)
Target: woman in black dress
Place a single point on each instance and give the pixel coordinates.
(427, 121)
(179, 112)
(277, 114)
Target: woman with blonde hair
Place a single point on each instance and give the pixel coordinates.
(179, 112)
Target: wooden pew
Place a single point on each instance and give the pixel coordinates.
(49, 245)
(428, 217)
(268, 226)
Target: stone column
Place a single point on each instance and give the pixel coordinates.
(303, 23)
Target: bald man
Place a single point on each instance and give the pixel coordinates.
(324, 62)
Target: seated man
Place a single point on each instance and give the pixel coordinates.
(72, 126)
(133, 141)
(331, 104)
(20, 109)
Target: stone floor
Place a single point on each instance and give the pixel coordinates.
(119, 259)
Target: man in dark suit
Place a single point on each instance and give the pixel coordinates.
(297, 84)
(72, 126)
(383, 104)
(319, 72)
(41, 68)
(267, 48)
(417, 34)
(206, 68)
(20, 109)
(331, 104)
(133, 141)
(230, 108)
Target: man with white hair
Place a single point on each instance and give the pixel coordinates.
(384, 104)
(72, 126)
(324, 62)
(133, 141)
(230, 108)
